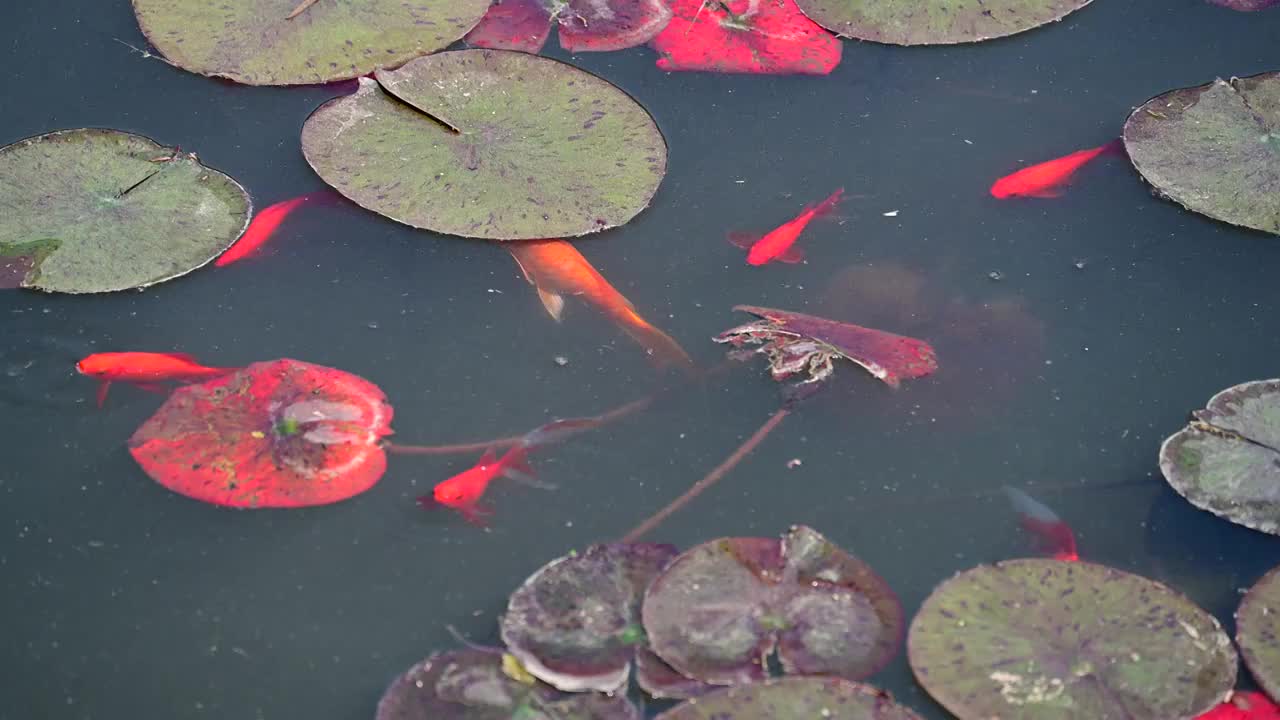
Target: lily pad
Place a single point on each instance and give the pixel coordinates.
(490, 144)
(794, 697)
(1214, 149)
(282, 433)
(575, 623)
(1040, 638)
(478, 685)
(721, 608)
(763, 37)
(256, 42)
(585, 25)
(934, 22)
(1246, 5)
(95, 210)
(1258, 631)
(663, 682)
(1227, 459)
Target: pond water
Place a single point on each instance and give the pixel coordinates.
(1115, 313)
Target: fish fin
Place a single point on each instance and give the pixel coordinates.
(1115, 147)
(553, 302)
(793, 254)
(428, 502)
(1029, 507)
(557, 431)
(475, 514)
(662, 350)
(103, 387)
(488, 458)
(1049, 192)
(184, 357)
(153, 387)
(527, 277)
(743, 240)
(826, 206)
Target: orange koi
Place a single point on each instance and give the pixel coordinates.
(263, 226)
(1046, 179)
(145, 369)
(780, 243)
(556, 268)
(1052, 534)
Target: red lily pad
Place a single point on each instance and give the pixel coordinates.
(585, 25)
(663, 682)
(798, 343)
(765, 37)
(282, 433)
(1244, 705)
(718, 610)
(479, 685)
(575, 623)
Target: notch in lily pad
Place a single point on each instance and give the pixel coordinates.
(585, 25)
(719, 609)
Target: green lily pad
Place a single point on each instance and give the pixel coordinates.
(1227, 459)
(828, 698)
(256, 42)
(490, 144)
(1214, 149)
(1258, 631)
(1042, 639)
(934, 22)
(95, 210)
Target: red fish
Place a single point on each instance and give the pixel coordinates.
(263, 226)
(1244, 705)
(780, 244)
(1052, 534)
(1046, 179)
(145, 369)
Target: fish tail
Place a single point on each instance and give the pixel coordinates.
(1115, 147)
(1030, 508)
(826, 206)
(662, 349)
(515, 466)
(558, 431)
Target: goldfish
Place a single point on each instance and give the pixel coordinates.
(555, 268)
(780, 243)
(263, 226)
(1046, 179)
(1051, 533)
(145, 369)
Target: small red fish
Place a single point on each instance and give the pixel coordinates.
(145, 369)
(1052, 534)
(463, 491)
(1244, 705)
(1046, 179)
(263, 226)
(780, 244)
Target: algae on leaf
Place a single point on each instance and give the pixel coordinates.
(934, 22)
(95, 210)
(1214, 149)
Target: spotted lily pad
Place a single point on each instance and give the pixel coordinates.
(479, 685)
(575, 623)
(1214, 149)
(721, 608)
(490, 144)
(934, 22)
(1258, 631)
(1039, 638)
(100, 210)
(828, 698)
(257, 43)
(1227, 459)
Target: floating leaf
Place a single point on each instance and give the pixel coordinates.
(490, 144)
(282, 433)
(472, 685)
(1257, 633)
(1039, 638)
(664, 682)
(795, 697)
(934, 22)
(745, 36)
(575, 623)
(522, 25)
(94, 210)
(585, 25)
(721, 608)
(1227, 459)
(1244, 705)
(1214, 149)
(1246, 5)
(257, 43)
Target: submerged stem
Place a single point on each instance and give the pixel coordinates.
(711, 478)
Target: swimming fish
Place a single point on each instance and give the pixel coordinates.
(1046, 179)
(780, 243)
(263, 226)
(146, 369)
(555, 269)
(1052, 534)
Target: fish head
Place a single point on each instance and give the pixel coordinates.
(93, 365)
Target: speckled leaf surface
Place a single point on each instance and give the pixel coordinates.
(95, 210)
(474, 685)
(1258, 631)
(575, 623)
(1214, 149)
(934, 22)
(541, 149)
(719, 609)
(794, 697)
(1042, 639)
(1227, 460)
(255, 42)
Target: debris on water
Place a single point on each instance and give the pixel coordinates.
(794, 463)
(891, 213)
(372, 325)
(561, 360)
(995, 276)
(1079, 263)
